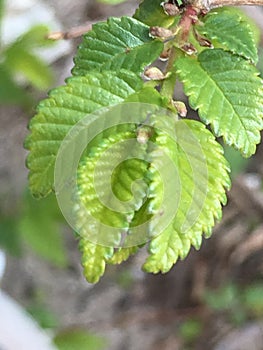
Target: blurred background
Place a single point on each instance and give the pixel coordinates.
(212, 300)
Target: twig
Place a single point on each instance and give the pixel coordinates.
(207, 5)
(218, 3)
(71, 34)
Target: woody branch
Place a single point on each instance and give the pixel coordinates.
(207, 5)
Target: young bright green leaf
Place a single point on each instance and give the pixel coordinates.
(119, 43)
(203, 172)
(65, 106)
(108, 187)
(127, 183)
(229, 29)
(151, 13)
(122, 254)
(228, 94)
(94, 257)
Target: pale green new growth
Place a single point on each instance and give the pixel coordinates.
(94, 258)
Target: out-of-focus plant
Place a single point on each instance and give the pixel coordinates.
(38, 225)
(190, 330)
(111, 2)
(238, 303)
(79, 339)
(237, 163)
(20, 65)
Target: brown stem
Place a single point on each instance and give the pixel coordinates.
(218, 3)
(74, 32)
(207, 5)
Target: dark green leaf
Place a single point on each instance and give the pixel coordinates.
(65, 106)
(119, 43)
(228, 94)
(228, 28)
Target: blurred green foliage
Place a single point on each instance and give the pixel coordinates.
(111, 2)
(190, 330)
(38, 309)
(38, 225)
(21, 65)
(1, 9)
(40, 228)
(252, 298)
(9, 239)
(237, 163)
(238, 303)
(125, 279)
(78, 339)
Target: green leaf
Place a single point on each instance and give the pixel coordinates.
(77, 339)
(228, 94)
(203, 172)
(148, 95)
(108, 187)
(39, 227)
(94, 257)
(151, 13)
(65, 106)
(119, 43)
(122, 254)
(230, 29)
(99, 199)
